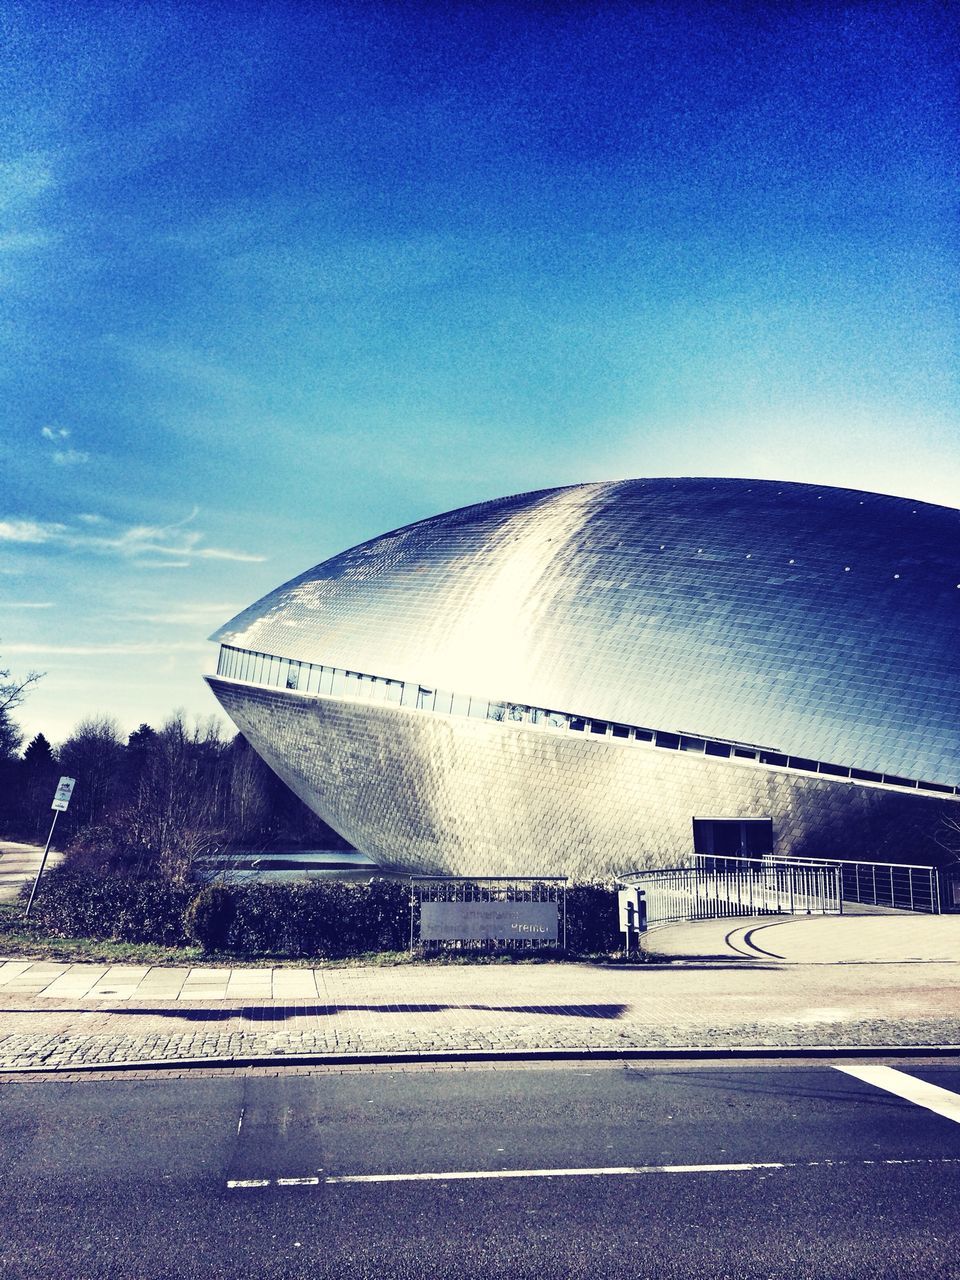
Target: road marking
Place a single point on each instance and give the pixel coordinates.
(630, 1171)
(615, 1171)
(930, 1096)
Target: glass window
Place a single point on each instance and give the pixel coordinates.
(496, 710)
(578, 724)
(598, 726)
(293, 675)
(620, 731)
(460, 704)
(425, 699)
(394, 690)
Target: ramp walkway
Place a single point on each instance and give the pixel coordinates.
(849, 939)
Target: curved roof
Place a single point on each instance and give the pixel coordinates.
(815, 621)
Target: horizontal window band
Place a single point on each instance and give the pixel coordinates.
(264, 670)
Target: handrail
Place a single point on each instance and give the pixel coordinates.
(411, 695)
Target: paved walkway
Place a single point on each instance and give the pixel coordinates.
(853, 939)
(18, 863)
(64, 1016)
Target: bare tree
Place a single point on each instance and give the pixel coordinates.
(92, 755)
(947, 835)
(178, 812)
(12, 693)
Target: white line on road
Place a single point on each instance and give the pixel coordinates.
(614, 1171)
(943, 1101)
(461, 1175)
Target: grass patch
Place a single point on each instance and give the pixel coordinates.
(24, 940)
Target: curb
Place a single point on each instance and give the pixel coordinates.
(674, 1053)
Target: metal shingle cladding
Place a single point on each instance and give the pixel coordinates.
(432, 793)
(815, 621)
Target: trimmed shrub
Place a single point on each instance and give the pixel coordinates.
(322, 918)
(74, 903)
(210, 916)
(592, 919)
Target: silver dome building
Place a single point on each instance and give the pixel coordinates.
(586, 680)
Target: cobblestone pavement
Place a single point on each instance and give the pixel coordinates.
(90, 1014)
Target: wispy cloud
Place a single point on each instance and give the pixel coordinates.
(151, 546)
(31, 531)
(64, 457)
(24, 241)
(114, 648)
(26, 604)
(184, 615)
(24, 178)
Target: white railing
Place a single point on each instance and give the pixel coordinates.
(903, 886)
(719, 887)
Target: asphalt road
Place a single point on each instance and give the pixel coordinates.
(239, 1176)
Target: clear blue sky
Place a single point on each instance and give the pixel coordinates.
(276, 278)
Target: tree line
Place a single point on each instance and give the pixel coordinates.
(155, 799)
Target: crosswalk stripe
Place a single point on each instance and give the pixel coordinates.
(930, 1096)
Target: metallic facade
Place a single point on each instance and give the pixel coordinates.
(819, 625)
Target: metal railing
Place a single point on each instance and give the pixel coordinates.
(903, 886)
(718, 887)
(250, 666)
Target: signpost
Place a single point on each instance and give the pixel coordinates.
(633, 916)
(61, 800)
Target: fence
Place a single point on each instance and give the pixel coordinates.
(717, 887)
(517, 913)
(905, 886)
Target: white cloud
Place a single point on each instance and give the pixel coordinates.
(29, 531)
(187, 615)
(24, 179)
(169, 546)
(28, 604)
(55, 433)
(114, 648)
(70, 457)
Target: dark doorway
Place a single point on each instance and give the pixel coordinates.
(733, 837)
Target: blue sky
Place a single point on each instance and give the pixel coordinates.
(276, 278)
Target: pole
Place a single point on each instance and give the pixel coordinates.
(46, 850)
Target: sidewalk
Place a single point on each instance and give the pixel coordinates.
(66, 1016)
(847, 939)
(20, 863)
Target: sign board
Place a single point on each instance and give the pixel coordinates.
(488, 921)
(64, 792)
(632, 913)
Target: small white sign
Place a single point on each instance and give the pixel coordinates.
(628, 901)
(494, 921)
(64, 791)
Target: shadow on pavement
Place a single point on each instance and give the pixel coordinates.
(281, 1013)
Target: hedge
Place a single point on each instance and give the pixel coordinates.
(323, 918)
(74, 903)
